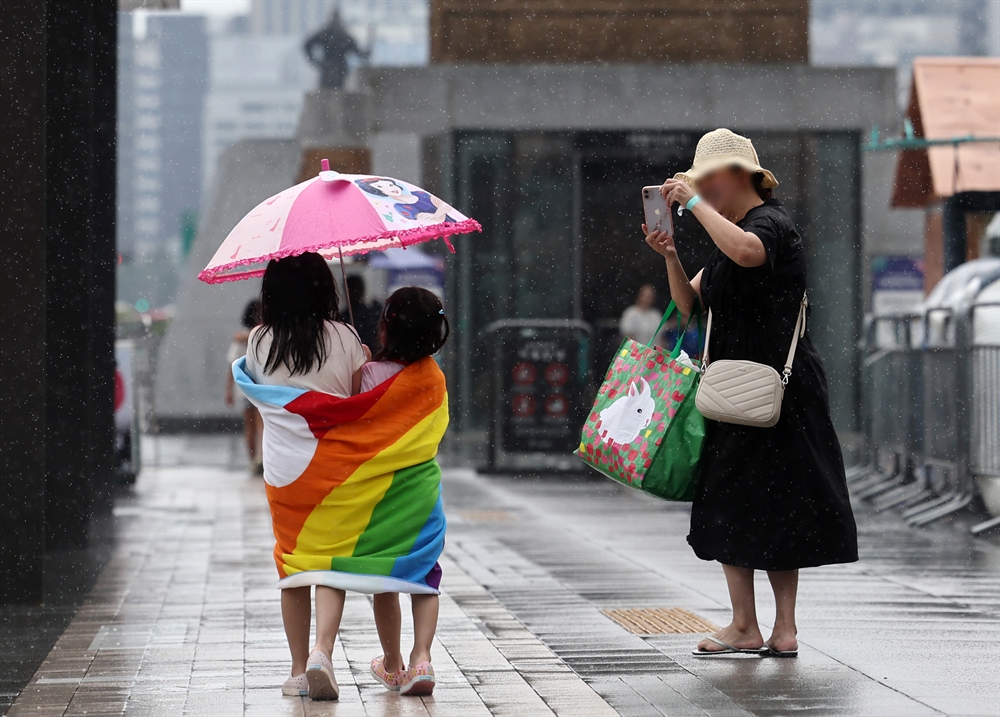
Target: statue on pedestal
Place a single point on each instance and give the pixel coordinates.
(328, 50)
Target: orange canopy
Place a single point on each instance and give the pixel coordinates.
(951, 97)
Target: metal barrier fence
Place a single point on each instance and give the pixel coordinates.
(931, 414)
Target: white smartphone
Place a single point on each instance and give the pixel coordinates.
(658, 217)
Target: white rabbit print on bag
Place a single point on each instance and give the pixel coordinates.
(625, 419)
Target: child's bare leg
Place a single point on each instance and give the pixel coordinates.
(389, 623)
(329, 611)
(425, 619)
(296, 613)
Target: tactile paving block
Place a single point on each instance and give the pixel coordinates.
(660, 621)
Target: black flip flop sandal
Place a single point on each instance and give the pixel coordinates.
(728, 649)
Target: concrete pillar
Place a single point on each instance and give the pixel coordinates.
(80, 171)
(58, 244)
(334, 125)
(22, 301)
(397, 154)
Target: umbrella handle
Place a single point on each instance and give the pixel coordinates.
(347, 294)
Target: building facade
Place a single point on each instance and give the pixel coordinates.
(161, 98)
(550, 157)
(256, 89)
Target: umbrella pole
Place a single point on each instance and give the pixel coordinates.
(343, 273)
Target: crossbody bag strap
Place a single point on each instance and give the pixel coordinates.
(800, 330)
(708, 337)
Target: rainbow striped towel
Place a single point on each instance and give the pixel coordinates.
(353, 484)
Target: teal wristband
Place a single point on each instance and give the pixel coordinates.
(692, 201)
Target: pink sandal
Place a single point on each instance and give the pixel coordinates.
(418, 681)
(390, 680)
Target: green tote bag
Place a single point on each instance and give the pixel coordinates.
(644, 430)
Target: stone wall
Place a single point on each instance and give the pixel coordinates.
(566, 31)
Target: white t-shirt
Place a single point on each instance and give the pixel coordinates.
(375, 372)
(344, 357)
(639, 324)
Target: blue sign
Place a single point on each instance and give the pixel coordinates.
(897, 273)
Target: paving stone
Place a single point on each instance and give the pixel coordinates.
(185, 621)
(920, 602)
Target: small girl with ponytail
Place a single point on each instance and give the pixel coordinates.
(413, 326)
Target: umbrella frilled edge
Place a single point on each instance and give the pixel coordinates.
(406, 237)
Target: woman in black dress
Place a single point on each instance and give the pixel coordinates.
(771, 499)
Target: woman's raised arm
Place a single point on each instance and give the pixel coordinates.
(744, 248)
(682, 290)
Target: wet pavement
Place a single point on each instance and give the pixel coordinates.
(184, 620)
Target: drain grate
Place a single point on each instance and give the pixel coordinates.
(660, 621)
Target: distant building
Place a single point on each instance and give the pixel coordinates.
(256, 88)
(891, 34)
(549, 153)
(125, 201)
(162, 83)
(288, 17)
(125, 5)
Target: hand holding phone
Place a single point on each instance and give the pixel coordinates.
(658, 217)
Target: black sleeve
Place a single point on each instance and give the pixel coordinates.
(769, 230)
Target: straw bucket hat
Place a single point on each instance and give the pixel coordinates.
(722, 148)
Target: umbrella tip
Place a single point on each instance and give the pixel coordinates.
(326, 174)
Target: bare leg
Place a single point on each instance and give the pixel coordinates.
(425, 619)
(250, 432)
(389, 624)
(743, 631)
(329, 610)
(296, 613)
(785, 584)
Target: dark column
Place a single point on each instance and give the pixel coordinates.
(57, 299)
(102, 255)
(22, 301)
(68, 129)
(79, 360)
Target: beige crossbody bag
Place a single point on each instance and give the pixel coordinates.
(746, 392)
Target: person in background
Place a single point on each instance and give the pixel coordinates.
(366, 315)
(253, 426)
(640, 320)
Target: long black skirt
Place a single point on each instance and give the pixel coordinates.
(776, 498)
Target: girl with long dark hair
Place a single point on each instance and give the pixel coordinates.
(301, 343)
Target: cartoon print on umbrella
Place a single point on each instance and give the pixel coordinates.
(412, 204)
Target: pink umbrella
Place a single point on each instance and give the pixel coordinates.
(335, 215)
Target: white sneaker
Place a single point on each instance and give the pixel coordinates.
(296, 686)
(319, 673)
